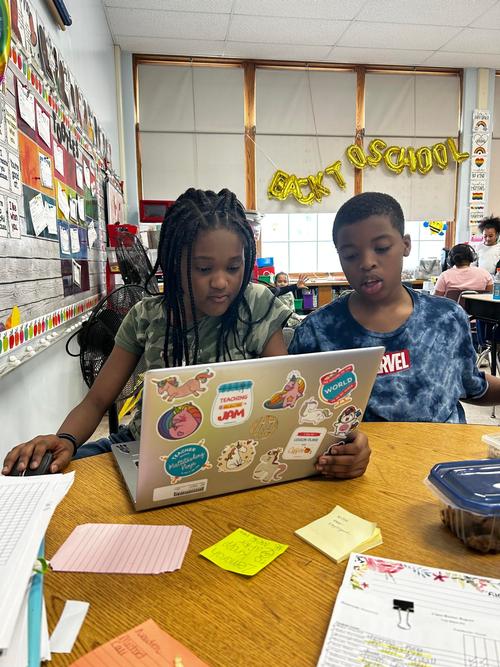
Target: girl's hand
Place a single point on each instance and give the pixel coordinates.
(347, 460)
(30, 454)
(301, 281)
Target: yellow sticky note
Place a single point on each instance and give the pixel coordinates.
(338, 533)
(243, 552)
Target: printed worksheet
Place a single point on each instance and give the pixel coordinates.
(400, 614)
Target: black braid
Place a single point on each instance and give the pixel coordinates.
(195, 211)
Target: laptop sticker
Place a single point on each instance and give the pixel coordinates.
(182, 489)
(270, 468)
(179, 422)
(311, 413)
(264, 427)
(337, 386)
(304, 443)
(346, 421)
(170, 388)
(237, 456)
(233, 403)
(186, 460)
(293, 389)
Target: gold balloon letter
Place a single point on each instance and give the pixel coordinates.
(375, 148)
(356, 156)
(424, 159)
(333, 170)
(459, 157)
(398, 166)
(278, 184)
(440, 155)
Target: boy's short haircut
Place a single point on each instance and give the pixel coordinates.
(492, 222)
(364, 205)
(280, 273)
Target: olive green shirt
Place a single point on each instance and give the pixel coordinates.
(143, 332)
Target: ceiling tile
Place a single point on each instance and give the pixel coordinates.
(208, 6)
(448, 59)
(363, 56)
(170, 47)
(262, 51)
(319, 9)
(490, 19)
(145, 22)
(285, 30)
(429, 12)
(396, 36)
(475, 40)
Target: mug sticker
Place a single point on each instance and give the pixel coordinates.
(264, 427)
(270, 468)
(311, 413)
(293, 389)
(170, 387)
(237, 456)
(346, 421)
(232, 404)
(335, 387)
(186, 460)
(180, 421)
(304, 443)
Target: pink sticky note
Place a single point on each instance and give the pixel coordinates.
(146, 644)
(122, 549)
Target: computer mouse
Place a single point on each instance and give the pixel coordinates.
(43, 468)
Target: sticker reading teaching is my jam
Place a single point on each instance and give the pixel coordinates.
(346, 421)
(237, 456)
(270, 468)
(179, 422)
(311, 413)
(336, 387)
(293, 389)
(233, 403)
(304, 443)
(171, 388)
(186, 460)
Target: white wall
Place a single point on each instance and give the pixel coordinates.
(36, 397)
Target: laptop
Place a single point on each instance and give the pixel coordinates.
(218, 428)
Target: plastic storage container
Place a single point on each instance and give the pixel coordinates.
(470, 496)
(493, 442)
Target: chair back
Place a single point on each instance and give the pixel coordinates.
(456, 294)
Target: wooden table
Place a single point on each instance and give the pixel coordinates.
(278, 617)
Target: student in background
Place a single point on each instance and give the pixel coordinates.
(287, 293)
(430, 363)
(209, 312)
(462, 275)
(488, 252)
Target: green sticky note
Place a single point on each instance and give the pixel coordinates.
(243, 552)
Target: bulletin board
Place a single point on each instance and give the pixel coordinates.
(55, 162)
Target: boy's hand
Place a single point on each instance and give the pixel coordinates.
(347, 460)
(301, 280)
(31, 453)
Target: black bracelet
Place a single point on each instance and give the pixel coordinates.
(71, 438)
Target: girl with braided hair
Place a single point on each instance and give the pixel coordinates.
(209, 311)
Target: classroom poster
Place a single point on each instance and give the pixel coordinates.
(3, 217)
(13, 218)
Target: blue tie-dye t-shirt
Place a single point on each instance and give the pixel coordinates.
(429, 362)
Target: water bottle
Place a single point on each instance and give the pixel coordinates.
(496, 286)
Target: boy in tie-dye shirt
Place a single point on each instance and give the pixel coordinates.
(429, 364)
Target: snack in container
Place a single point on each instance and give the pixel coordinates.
(493, 442)
(470, 495)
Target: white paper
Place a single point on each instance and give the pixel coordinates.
(14, 222)
(73, 209)
(92, 234)
(43, 125)
(81, 208)
(62, 201)
(77, 273)
(15, 174)
(4, 169)
(64, 240)
(17, 653)
(68, 626)
(51, 217)
(393, 613)
(59, 159)
(37, 211)
(26, 101)
(79, 176)
(75, 240)
(3, 133)
(11, 124)
(45, 170)
(3, 217)
(26, 507)
(86, 174)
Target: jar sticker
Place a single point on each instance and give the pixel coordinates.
(186, 460)
(237, 456)
(233, 403)
(264, 427)
(293, 389)
(311, 413)
(170, 388)
(346, 421)
(270, 468)
(304, 443)
(335, 387)
(179, 422)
